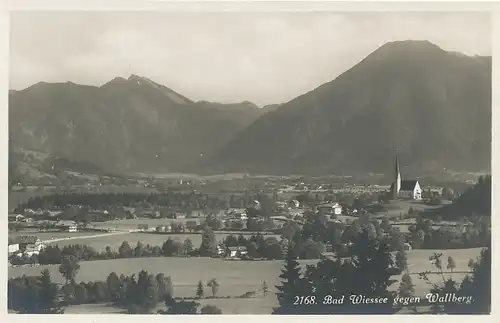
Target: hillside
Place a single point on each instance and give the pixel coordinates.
(474, 201)
(129, 124)
(432, 105)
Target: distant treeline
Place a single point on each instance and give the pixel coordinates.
(179, 200)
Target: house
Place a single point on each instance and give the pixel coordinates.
(54, 213)
(13, 248)
(405, 189)
(164, 228)
(237, 252)
(24, 243)
(191, 225)
(281, 204)
(69, 226)
(294, 204)
(221, 250)
(238, 214)
(330, 208)
(15, 218)
(255, 205)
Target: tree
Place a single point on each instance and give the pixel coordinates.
(311, 249)
(69, 268)
(114, 286)
(165, 287)
(180, 307)
(171, 248)
(47, 295)
(125, 251)
(214, 285)
(145, 295)
(208, 245)
(252, 249)
(367, 272)
(100, 292)
(401, 260)
(385, 225)
(471, 264)
(210, 309)
(81, 296)
(406, 288)
(273, 249)
(478, 285)
(187, 246)
(139, 249)
(265, 288)
(199, 290)
(451, 263)
(292, 285)
(68, 291)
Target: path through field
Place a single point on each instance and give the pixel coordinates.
(86, 237)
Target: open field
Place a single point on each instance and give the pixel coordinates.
(114, 241)
(52, 235)
(395, 208)
(235, 277)
(131, 224)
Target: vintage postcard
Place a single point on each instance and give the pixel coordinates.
(250, 161)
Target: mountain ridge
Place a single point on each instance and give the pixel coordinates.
(387, 95)
(126, 124)
(410, 96)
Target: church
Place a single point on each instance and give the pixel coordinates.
(405, 189)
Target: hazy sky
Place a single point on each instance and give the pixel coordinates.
(226, 57)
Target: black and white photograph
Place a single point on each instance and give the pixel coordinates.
(249, 162)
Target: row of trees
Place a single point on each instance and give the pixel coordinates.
(141, 295)
(54, 255)
(470, 232)
(177, 200)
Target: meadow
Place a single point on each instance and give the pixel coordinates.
(114, 241)
(44, 236)
(235, 277)
(131, 224)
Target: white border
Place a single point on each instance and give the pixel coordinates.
(258, 5)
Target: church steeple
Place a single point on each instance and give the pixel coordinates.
(396, 185)
(397, 173)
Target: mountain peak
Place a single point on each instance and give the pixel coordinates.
(134, 77)
(409, 47)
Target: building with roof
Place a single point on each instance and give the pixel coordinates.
(405, 189)
(330, 209)
(237, 251)
(25, 244)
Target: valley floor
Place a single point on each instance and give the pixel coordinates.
(235, 277)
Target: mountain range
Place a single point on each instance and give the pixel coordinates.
(431, 106)
(129, 124)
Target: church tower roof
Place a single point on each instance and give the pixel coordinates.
(397, 172)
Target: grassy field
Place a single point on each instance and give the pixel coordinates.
(51, 235)
(129, 224)
(235, 277)
(114, 241)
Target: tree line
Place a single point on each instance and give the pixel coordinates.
(180, 200)
(139, 294)
(307, 242)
